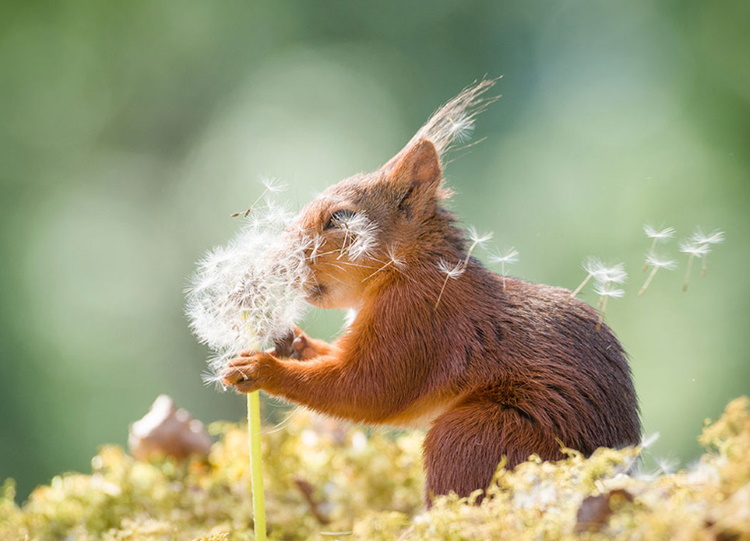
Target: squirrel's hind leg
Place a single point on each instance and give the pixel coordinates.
(465, 445)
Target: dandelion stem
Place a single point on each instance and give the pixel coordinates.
(462, 268)
(687, 272)
(245, 213)
(650, 254)
(582, 285)
(704, 266)
(256, 465)
(648, 280)
(603, 303)
(440, 295)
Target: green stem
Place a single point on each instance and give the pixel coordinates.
(256, 465)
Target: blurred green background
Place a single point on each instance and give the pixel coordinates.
(130, 131)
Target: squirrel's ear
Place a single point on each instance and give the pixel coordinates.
(417, 173)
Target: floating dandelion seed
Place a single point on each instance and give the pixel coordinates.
(655, 263)
(507, 257)
(454, 271)
(693, 250)
(271, 186)
(656, 236)
(606, 290)
(596, 269)
(715, 237)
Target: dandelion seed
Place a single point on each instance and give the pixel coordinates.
(477, 239)
(606, 290)
(649, 440)
(460, 128)
(661, 235)
(271, 185)
(715, 237)
(393, 261)
(655, 263)
(451, 271)
(505, 258)
(693, 250)
(596, 269)
(458, 269)
(360, 236)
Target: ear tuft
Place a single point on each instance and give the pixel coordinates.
(419, 164)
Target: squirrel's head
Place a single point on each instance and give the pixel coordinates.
(369, 226)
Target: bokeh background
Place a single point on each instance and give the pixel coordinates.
(130, 131)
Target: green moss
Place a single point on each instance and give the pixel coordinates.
(324, 481)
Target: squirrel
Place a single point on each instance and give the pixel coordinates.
(493, 367)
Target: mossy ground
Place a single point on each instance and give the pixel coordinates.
(324, 481)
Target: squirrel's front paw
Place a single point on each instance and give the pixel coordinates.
(246, 373)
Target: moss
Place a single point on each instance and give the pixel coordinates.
(324, 481)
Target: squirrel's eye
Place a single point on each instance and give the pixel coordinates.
(339, 218)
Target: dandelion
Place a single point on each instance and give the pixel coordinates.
(246, 295)
(693, 250)
(656, 236)
(596, 269)
(454, 271)
(655, 263)
(249, 293)
(699, 238)
(507, 257)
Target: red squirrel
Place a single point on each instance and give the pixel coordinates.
(493, 367)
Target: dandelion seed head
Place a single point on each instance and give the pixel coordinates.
(273, 185)
(659, 234)
(715, 237)
(603, 273)
(607, 290)
(507, 257)
(477, 238)
(649, 440)
(661, 263)
(460, 127)
(249, 293)
(394, 258)
(452, 270)
(696, 250)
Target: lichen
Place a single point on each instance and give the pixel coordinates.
(327, 481)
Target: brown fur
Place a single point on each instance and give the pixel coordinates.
(491, 370)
